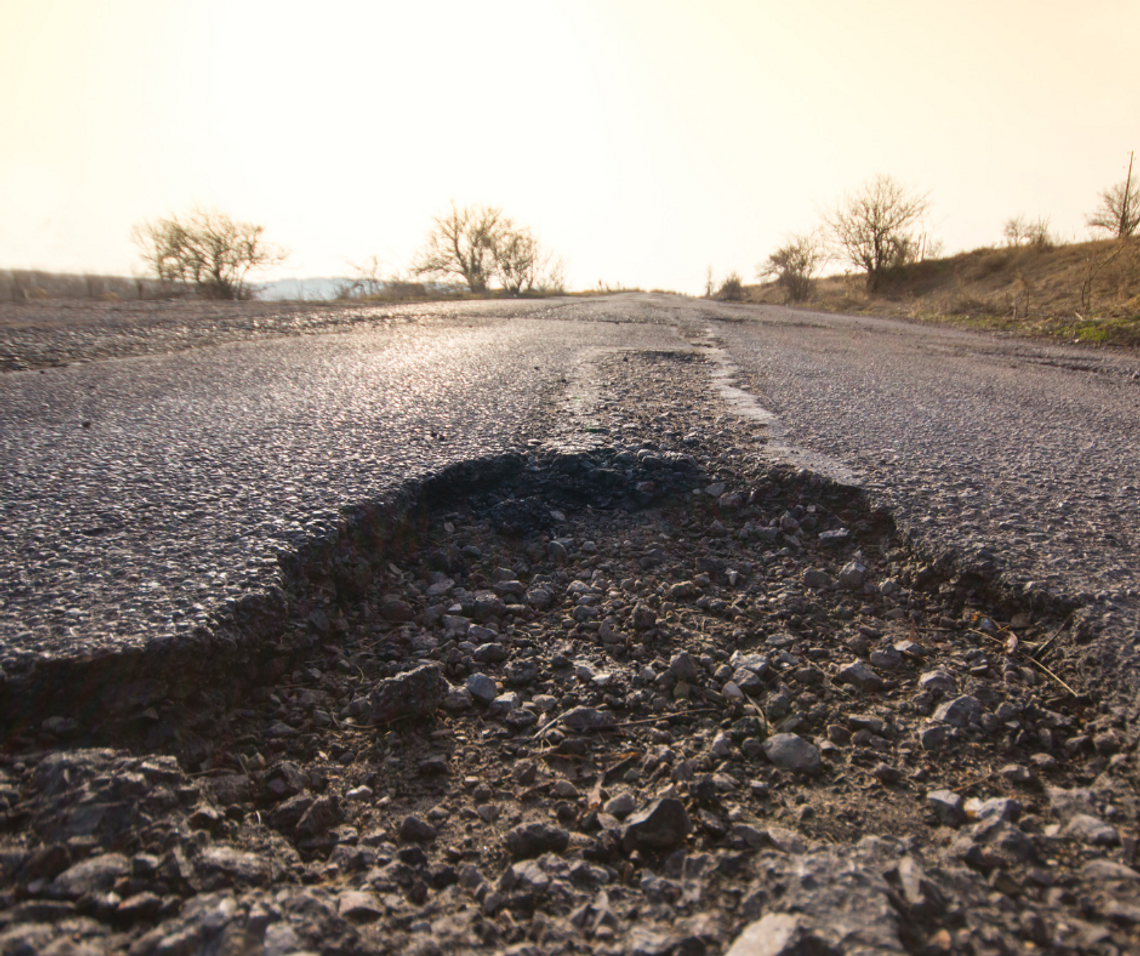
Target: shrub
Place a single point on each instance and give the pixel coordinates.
(732, 289)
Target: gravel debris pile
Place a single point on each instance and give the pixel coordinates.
(655, 695)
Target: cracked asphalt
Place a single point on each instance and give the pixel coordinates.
(140, 493)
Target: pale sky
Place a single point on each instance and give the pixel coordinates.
(642, 141)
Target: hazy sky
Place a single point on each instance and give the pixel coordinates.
(644, 141)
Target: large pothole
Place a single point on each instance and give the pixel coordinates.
(625, 700)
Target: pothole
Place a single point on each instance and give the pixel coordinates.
(631, 699)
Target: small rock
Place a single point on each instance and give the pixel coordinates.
(721, 746)
(93, 876)
(662, 825)
(683, 667)
(947, 806)
(1104, 871)
(887, 774)
(1017, 773)
(396, 609)
(815, 579)
(565, 789)
(780, 934)
(621, 806)
(1001, 808)
(361, 794)
(505, 703)
(1091, 830)
(529, 840)
(840, 736)
(786, 841)
(539, 598)
(415, 693)
(644, 617)
(359, 906)
(860, 675)
(937, 682)
(960, 712)
(490, 653)
(934, 735)
(1107, 742)
(413, 829)
(852, 575)
(886, 658)
(324, 812)
(792, 752)
(867, 722)
(587, 719)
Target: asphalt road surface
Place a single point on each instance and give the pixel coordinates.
(141, 493)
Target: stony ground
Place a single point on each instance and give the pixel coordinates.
(636, 691)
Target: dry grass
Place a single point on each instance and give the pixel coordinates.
(31, 285)
(1085, 292)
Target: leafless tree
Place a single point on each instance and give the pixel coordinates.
(366, 282)
(1119, 209)
(1015, 229)
(518, 258)
(795, 264)
(872, 226)
(1019, 230)
(462, 243)
(206, 249)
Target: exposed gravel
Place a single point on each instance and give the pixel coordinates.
(628, 688)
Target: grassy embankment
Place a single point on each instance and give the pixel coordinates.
(1086, 292)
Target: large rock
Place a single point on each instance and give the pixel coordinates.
(662, 825)
(415, 693)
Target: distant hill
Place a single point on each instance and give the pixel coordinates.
(310, 290)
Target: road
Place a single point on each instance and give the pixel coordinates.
(141, 493)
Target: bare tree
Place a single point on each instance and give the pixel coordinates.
(518, 258)
(1019, 230)
(795, 264)
(206, 249)
(366, 281)
(552, 277)
(872, 226)
(1119, 209)
(1015, 229)
(462, 243)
